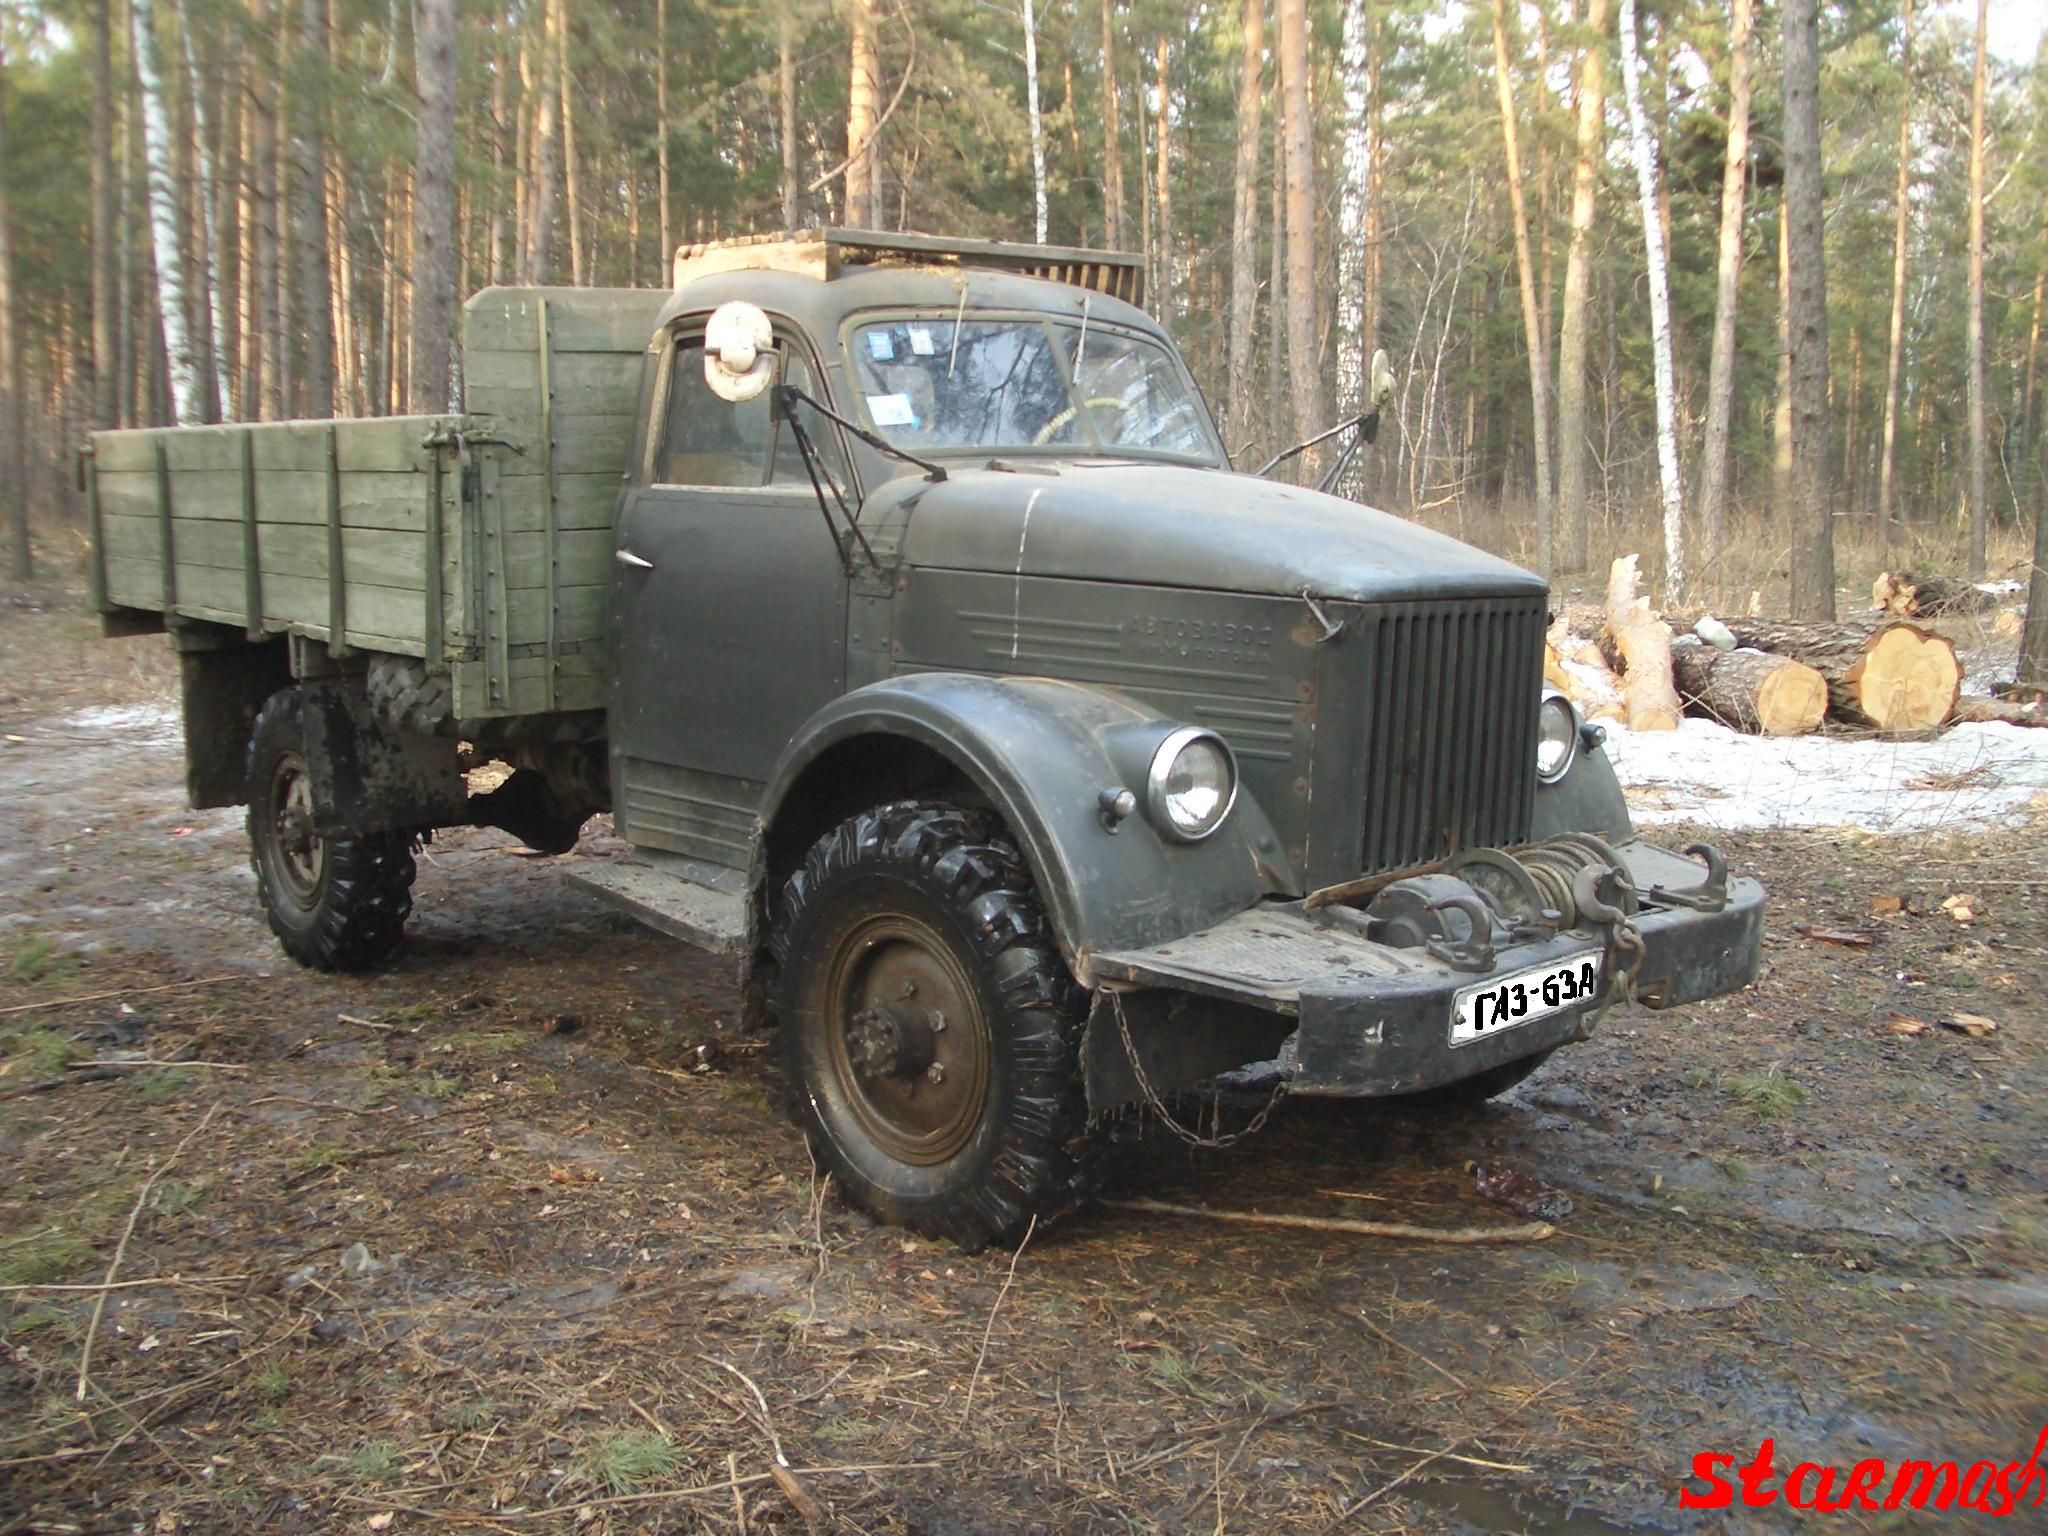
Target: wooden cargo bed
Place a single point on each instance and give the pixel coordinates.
(480, 542)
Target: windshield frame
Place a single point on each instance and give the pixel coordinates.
(1094, 448)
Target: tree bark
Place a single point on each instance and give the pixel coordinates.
(1889, 675)
(314, 300)
(172, 294)
(433, 208)
(785, 86)
(14, 490)
(1896, 351)
(1116, 231)
(572, 189)
(786, 64)
(106, 381)
(1670, 484)
(1812, 533)
(1310, 410)
(861, 92)
(495, 219)
(2032, 671)
(1728, 275)
(1353, 209)
(1980, 511)
(1162, 135)
(1525, 275)
(1572, 437)
(1241, 406)
(210, 312)
(1037, 121)
(540, 202)
(1749, 690)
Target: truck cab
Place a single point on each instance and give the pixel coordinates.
(1029, 760)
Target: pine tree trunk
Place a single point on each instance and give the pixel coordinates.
(1117, 232)
(1980, 511)
(1310, 410)
(1354, 201)
(860, 118)
(433, 207)
(1532, 319)
(540, 202)
(1645, 154)
(572, 198)
(314, 301)
(1242, 405)
(1812, 530)
(785, 85)
(2032, 671)
(1728, 275)
(1896, 350)
(1781, 398)
(14, 490)
(1572, 436)
(106, 378)
(1273, 395)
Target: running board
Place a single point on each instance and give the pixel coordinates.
(680, 897)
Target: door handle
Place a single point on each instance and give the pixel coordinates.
(627, 558)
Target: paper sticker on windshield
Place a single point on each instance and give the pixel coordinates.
(881, 346)
(921, 340)
(891, 411)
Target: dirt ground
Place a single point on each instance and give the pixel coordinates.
(514, 1236)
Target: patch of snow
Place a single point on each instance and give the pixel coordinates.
(150, 724)
(1970, 777)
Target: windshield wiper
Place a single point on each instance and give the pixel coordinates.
(1368, 426)
(789, 394)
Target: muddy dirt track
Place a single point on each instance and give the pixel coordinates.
(513, 1236)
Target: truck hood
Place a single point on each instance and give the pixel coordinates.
(1175, 526)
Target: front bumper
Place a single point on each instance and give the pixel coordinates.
(1372, 1021)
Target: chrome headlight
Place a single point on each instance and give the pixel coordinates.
(1192, 783)
(1557, 736)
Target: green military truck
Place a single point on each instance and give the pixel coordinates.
(898, 599)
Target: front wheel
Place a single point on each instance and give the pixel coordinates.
(929, 1028)
(335, 903)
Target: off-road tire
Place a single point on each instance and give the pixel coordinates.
(1475, 1090)
(933, 890)
(405, 696)
(341, 903)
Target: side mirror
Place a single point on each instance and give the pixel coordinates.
(1382, 385)
(739, 351)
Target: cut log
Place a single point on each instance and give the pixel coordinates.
(1576, 666)
(1927, 595)
(1642, 643)
(1896, 677)
(1749, 690)
(1977, 711)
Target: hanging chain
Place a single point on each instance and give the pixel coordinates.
(1192, 1138)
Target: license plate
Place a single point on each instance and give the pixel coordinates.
(1522, 997)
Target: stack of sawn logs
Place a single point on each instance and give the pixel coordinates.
(1774, 677)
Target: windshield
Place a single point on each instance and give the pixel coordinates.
(931, 382)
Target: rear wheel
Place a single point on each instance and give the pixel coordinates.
(930, 1030)
(335, 903)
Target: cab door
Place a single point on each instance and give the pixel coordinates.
(728, 613)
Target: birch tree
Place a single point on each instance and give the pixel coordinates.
(1727, 275)
(209, 314)
(162, 190)
(1806, 318)
(1355, 197)
(433, 210)
(1896, 349)
(1578, 271)
(1037, 122)
(1644, 152)
(1244, 229)
(1525, 275)
(1980, 512)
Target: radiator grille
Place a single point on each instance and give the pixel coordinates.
(1451, 728)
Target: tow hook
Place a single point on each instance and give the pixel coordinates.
(1598, 893)
(1710, 895)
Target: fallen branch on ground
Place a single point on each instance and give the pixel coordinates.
(101, 997)
(1526, 1232)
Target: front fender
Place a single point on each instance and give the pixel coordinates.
(1043, 752)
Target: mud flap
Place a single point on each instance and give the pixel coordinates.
(366, 779)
